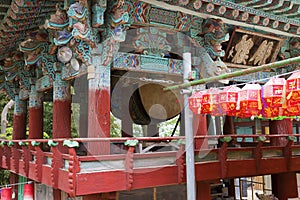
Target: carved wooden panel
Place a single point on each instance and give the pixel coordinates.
(247, 48)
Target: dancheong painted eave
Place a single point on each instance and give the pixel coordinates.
(280, 20)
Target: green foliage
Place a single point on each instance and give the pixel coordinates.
(166, 128)
(3, 101)
(138, 130)
(131, 143)
(75, 120)
(48, 110)
(5, 174)
(115, 127)
(4, 177)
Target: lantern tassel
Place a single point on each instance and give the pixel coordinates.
(290, 95)
(259, 102)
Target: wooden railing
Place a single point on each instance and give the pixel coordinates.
(146, 162)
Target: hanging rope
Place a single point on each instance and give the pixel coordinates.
(22, 183)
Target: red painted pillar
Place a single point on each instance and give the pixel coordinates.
(99, 107)
(284, 185)
(19, 121)
(228, 128)
(200, 129)
(61, 116)
(35, 114)
(284, 126)
(61, 109)
(57, 194)
(19, 130)
(92, 197)
(203, 190)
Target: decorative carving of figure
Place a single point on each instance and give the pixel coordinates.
(258, 56)
(242, 50)
(119, 15)
(59, 17)
(214, 35)
(152, 42)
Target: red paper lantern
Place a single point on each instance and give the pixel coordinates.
(250, 100)
(210, 102)
(195, 102)
(228, 99)
(6, 193)
(28, 191)
(273, 94)
(293, 94)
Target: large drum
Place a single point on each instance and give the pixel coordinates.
(140, 96)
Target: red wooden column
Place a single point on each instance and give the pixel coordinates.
(35, 114)
(61, 108)
(284, 126)
(200, 129)
(19, 131)
(284, 185)
(99, 114)
(61, 116)
(203, 190)
(99, 104)
(19, 120)
(228, 129)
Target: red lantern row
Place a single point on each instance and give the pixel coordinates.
(276, 98)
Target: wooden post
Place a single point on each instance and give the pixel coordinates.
(19, 131)
(284, 126)
(35, 114)
(284, 185)
(61, 109)
(200, 129)
(203, 190)
(99, 102)
(280, 188)
(228, 128)
(19, 121)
